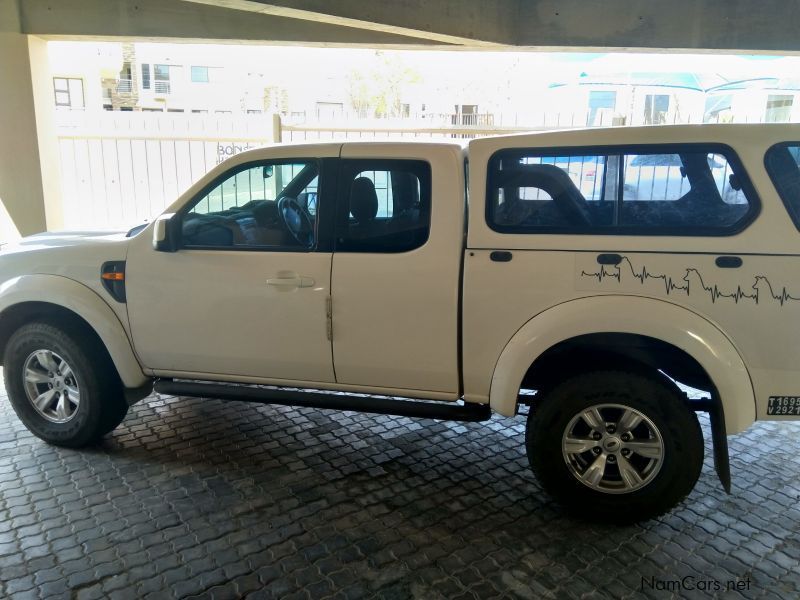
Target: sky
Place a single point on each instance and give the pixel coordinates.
(472, 64)
(299, 61)
(473, 77)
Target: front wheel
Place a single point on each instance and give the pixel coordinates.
(615, 446)
(62, 384)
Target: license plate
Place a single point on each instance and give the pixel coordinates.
(784, 405)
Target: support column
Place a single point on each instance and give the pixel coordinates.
(277, 128)
(30, 180)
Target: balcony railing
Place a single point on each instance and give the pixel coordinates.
(124, 86)
(161, 87)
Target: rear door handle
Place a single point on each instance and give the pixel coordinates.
(290, 280)
(501, 256)
(728, 262)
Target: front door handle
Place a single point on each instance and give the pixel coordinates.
(289, 280)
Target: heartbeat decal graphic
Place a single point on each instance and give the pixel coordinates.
(692, 281)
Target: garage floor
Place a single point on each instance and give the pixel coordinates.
(203, 498)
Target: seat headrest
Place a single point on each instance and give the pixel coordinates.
(405, 192)
(363, 200)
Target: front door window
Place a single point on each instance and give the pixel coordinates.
(263, 205)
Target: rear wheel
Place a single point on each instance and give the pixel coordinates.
(62, 384)
(615, 446)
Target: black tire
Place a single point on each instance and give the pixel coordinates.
(654, 397)
(102, 404)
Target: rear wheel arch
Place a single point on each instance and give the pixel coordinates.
(575, 329)
(615, 351)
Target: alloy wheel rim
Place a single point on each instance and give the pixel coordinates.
(51, 386)
(613, 448)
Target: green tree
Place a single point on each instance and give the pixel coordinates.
(378, 91)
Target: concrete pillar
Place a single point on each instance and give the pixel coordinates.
(277, 128)
(30, 180)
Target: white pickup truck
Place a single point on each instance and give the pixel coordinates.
(597, 267)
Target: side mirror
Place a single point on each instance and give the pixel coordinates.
(268, 171)
(165, 236)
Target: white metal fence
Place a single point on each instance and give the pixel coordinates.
(122, 168)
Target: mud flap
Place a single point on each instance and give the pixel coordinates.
(719, 437)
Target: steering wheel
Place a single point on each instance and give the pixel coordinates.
(296, 221)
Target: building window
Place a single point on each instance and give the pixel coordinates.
(601, 103)
(145, 76)
(125, 79)
(466, 114)
(69, 92)
(779, 108)
(161, 76)
(656, 107)
(161, 72)
(199, 74)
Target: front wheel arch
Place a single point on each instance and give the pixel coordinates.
(35, 292)
(18, 315)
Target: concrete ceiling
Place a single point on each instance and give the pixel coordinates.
(688, 25)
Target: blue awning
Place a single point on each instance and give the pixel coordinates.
(763, 83)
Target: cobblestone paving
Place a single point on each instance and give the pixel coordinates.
(197, 498)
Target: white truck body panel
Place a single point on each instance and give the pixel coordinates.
(748, 304)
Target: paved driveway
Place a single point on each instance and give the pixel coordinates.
(204, 498)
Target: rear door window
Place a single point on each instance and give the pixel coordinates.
(384, 205)
(783, 165)
(665, 190)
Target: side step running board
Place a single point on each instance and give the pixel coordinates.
(445, 411)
